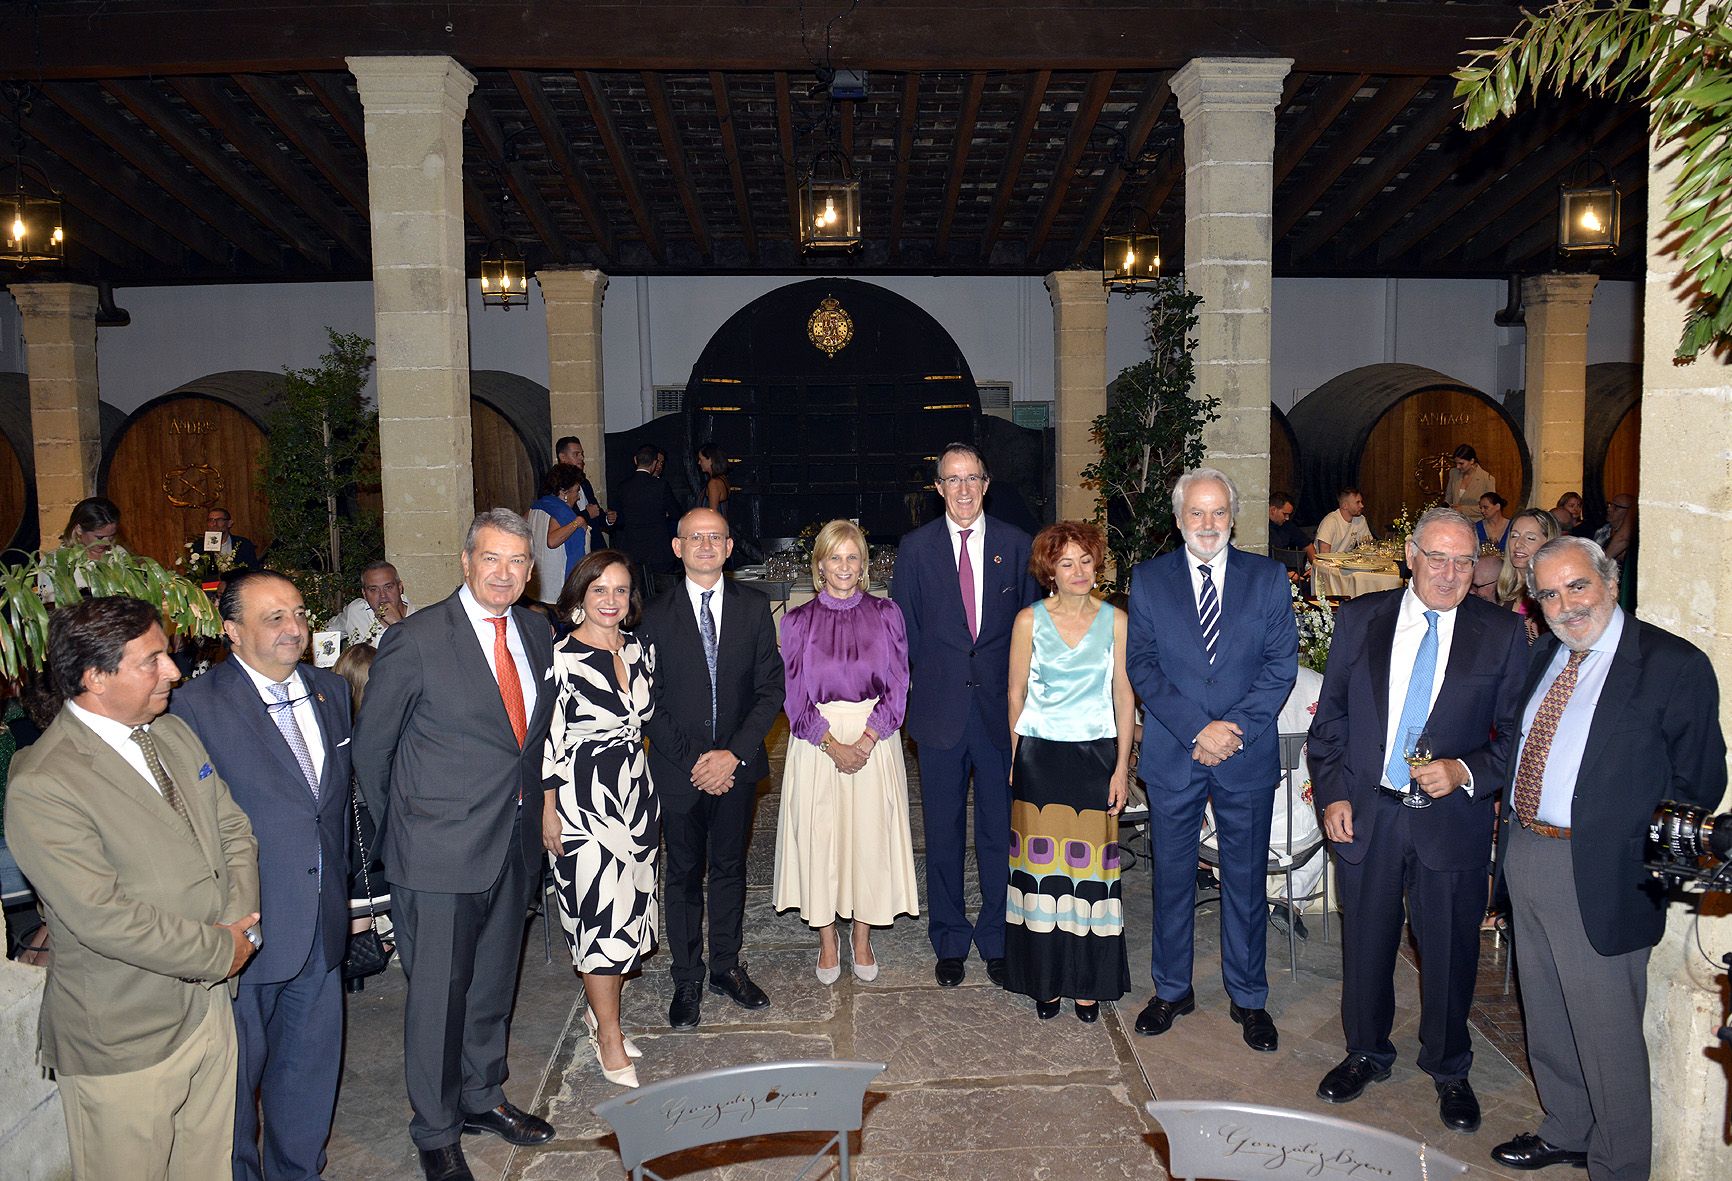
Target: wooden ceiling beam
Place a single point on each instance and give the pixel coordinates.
(848, 131)
(790, 164)
(1377, 174)
(485, 125)
(332, 91)
(1359, 130)
(172, 128)
(731, 151)
(1087, 113)
(1033, 97)
(107, 124)
(94, 38)
(205, 95)
(965, 121)
(602, 115)
(1148, 113)
(102, 211)
(277, 101)
(1326, 106)
(675, 154)
(554, 139)
(909, 115)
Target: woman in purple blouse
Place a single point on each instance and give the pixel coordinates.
(843, 848)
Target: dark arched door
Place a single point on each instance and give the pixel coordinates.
(816, 434)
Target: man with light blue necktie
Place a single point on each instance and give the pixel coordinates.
(1434, 660)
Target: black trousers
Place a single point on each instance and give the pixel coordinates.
(460, 954)
(707, 845)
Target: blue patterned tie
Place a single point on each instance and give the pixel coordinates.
(1417, 707)
(1209, 613)
(707, 626)
(283, 714)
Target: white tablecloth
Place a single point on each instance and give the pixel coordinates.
(1330, 577)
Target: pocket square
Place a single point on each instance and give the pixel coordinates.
(206, 771)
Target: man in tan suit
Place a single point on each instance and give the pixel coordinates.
(148, 875)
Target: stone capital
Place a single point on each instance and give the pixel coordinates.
(42, 301)
(1252, 84)
(1559, 288)
(1075, 287)
(571, 283)
(411, 84)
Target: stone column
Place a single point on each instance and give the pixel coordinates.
(574, 391)
(60, 356)
(1228, 107)
(414, 110)
(1685, 584)
(1556, 310)
(1079, 383)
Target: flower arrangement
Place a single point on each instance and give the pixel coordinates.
(203, 566)
(1316, 630)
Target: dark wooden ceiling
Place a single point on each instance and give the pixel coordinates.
(222, 141)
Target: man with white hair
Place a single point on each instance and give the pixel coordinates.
(1212, 651)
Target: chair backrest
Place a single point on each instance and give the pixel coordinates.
(1293, 751)
(1293, 559)
(1250, 1142)
(731, 1103)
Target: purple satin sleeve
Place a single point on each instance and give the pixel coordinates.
(846, 654)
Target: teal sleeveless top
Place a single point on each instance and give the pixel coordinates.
(1070, 690)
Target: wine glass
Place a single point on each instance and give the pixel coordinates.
(1416, 752)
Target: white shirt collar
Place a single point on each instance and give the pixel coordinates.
(116, 734)
(263, 683)
(1217, 565)
(473, 608)
(979, 527)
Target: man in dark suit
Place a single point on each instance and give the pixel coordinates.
(718, 689)
(246, 555)
(646, 517)
(447, 753)
(278, 733)
(1617, 715)
(569, 449)
(1435, 660)
(1212, 651)
(148, 876)
(960, 581)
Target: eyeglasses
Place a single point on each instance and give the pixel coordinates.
(955, 482)
(712, 538)
(1437, 563)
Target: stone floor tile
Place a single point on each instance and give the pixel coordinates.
(786, 975)
(973, 1034)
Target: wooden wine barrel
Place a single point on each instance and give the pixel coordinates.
(19, 523)
(1611, 435)
(1388, 430)
(179, 454)
(512, 428)
(1283, 454)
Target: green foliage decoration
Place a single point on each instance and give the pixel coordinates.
(1150, 436)
(40, 578)
(323, 443)
(1679, 64)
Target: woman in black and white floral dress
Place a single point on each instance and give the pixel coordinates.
(601, 820)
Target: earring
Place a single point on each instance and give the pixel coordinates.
(577, 616)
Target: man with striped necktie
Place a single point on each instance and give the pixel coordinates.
(1213, 651)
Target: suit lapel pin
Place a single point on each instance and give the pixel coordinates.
(998, 559)
(321, 697)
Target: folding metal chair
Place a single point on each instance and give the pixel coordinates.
(1249, 1142)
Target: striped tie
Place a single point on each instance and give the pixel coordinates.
(283, 714)
(1209, 613)
(1531, 770)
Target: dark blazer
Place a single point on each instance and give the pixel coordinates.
(295, 832)
(435, 758)
(749, 688)
(1656, 736)
(1474, 719)
(246, 554)
(1256, 663)
(648, 515)
(948, 669)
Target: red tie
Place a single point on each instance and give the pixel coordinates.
(965, 577)
(510, 688)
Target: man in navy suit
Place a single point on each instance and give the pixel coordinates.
(278, 732)
(960, 581)
(1213, 651)
(1435, 659)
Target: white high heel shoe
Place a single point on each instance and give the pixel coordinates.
(829, 976)
(625, 1076)
(631, 1050)
(865, 973)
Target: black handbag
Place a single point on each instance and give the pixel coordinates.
(366, 955)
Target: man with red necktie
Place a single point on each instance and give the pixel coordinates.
(445, 766)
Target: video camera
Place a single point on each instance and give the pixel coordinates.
(1689, 844)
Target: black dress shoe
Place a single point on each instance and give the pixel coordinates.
(688, 1000)
(950, 971)
(1349, 1079)
(1528, 1151)
(511, 1124)
(1046, 1010)
(1158, 1015)
(1457, 1106)
(1260, 1032)
(445, 1164)
(1088, 1014)
(995, 970)
(738, 987)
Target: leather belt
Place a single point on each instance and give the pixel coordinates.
(1548, 830)
(1391, 792)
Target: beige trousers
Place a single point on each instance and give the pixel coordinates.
(174, 1121)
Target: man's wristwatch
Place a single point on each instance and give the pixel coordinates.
(252, 934)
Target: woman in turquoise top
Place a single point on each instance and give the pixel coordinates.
(1071, 716)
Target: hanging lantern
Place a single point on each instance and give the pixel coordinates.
(30, 225)
(504, 279)
(1130, 253)
(1589, 213)
(830, 206)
